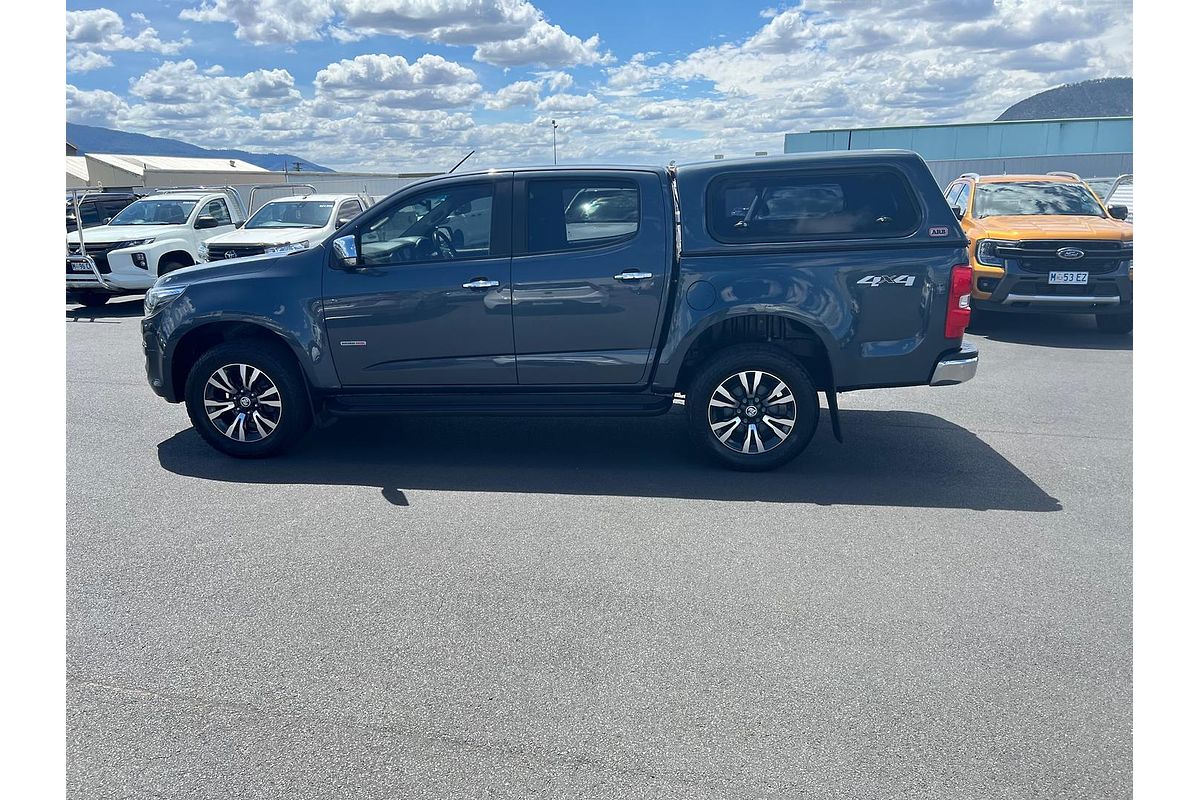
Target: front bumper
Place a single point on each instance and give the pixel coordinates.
(156, 370)
(957, 367)
(1018, 291)
(90, 277)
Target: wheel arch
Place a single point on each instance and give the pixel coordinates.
(202, 338)
(182, 256)
(790, 333)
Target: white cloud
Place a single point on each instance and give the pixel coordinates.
(103, 30)
(544, 44)
(93, 107)
(266, 21)
(568, 103)
(519, 93)
(87, 61)
(429, 82)
(504, 32)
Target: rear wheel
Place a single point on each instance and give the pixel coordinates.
(248, 399)
(753, 407)
(1115, 323)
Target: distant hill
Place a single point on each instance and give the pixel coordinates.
(90, 139)
(1106, 97)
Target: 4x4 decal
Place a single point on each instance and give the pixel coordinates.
(894, 280)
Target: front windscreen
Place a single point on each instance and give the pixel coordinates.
(155, 212)
(292, 214)
(1026, 198)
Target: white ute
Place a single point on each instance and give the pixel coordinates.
(148, 238)
(286, 224)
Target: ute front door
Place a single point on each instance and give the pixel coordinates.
(429, 303)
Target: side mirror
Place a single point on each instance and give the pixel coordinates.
(109, 219)
(958, 212)
(239, 223)
(205, 222)
(1119, 212)
(345, 252)
(340, 223)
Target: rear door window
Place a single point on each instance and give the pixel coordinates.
(810, 205)
(570, 214)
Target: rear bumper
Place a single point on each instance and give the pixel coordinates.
(957, 367)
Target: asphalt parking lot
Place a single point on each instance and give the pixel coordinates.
(556, 608)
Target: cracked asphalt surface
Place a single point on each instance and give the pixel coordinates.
(557, 608)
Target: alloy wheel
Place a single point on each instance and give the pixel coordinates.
(752, 412)
(242, 402)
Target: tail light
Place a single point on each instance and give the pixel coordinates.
(958, 307)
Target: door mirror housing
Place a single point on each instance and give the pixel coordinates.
(109, 219)
(958, 213)
(205, 221)
(240, 223)
(1119, 212)
(345, 252)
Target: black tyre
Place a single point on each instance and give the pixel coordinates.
(752, 407)
(1115, 323)
(89, 299)
(248, 399)
(170, 265)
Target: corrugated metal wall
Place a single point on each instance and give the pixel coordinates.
(1086, 165)
(989, 140)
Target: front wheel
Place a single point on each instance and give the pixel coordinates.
(1115, 323)
(248, 399)
(753, 407)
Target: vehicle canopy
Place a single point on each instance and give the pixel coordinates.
(811, 199)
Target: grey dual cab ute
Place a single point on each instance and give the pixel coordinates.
(747, 286)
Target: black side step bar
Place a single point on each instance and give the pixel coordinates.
(500, 404)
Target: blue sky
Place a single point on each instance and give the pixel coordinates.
(397, 85)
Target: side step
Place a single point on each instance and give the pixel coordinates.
(569, 404)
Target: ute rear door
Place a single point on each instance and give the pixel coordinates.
(590, 271)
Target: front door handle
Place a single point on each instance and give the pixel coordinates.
(481, 283)
(632, 275)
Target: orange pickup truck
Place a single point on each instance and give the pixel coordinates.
(1046, 244)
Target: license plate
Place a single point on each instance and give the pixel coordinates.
(1068, 278)
(80, 267)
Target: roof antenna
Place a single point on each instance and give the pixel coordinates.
(460, 163)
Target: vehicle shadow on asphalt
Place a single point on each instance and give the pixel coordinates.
(1047, 330)
(890, 458)
(131, 307)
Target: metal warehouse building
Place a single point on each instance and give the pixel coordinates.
(1092, 147)
(111, 171)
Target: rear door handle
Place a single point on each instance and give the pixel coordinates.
(632, 275)
(481, 283)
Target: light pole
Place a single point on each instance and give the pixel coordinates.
(554, 138)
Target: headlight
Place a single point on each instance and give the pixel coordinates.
(985, 253)
(133, 243)
(159, 296)
(287, 247)
(203, 251)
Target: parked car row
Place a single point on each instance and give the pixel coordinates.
(1047, 244)
(157, 234)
